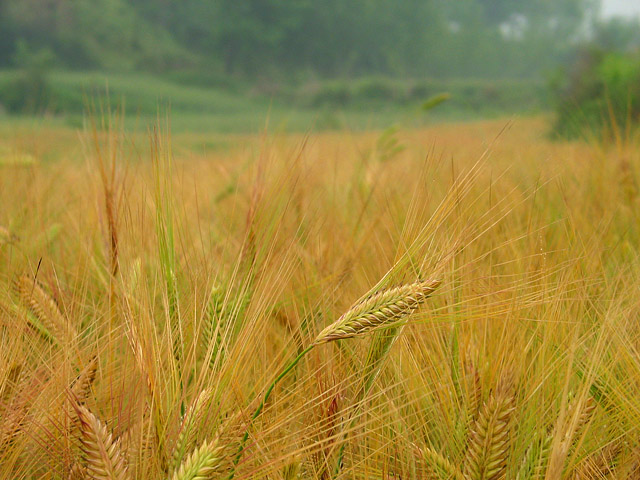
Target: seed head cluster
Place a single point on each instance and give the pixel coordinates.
(381, 308)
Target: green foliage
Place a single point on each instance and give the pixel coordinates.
(29, 91)
(601, 91)
(276, 38)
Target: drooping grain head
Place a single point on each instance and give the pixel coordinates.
(379, 309)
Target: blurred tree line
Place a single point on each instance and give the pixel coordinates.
(598, 93)
(290, 39)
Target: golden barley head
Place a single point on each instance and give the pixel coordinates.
(379, 309)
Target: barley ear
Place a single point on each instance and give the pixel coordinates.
(536, 458)
(14, 415)
(440, 466)
(214, 326)
(79, 391)
(185, 437)
(77, 472)
(82, 384)
(489, 438)
(202, 464)
(601, 464)
(382, 308)
(103, 457)
(50, 319)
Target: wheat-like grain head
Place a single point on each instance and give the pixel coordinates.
(103, 456)
(15, 413)
(489, 437)
(78, 392)
(567, 432)
(45, 308)
(379, 309)
(203, 462)
(82, 384)
(441, 466)
(186, 435)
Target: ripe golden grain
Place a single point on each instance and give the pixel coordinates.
(379, 309)
(489, 438)
(45, 309)
(103, 457)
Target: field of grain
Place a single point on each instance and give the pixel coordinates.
(456, 302)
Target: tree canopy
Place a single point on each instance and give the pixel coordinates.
(267, 38)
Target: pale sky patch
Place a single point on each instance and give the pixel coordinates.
(625, 8)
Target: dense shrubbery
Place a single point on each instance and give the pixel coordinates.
(601, 91)
(466, 95)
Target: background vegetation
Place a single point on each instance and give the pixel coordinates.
(272, 38)
(600, 90)
(223, 64)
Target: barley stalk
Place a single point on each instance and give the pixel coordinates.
(566, 432)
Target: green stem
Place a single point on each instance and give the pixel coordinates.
(267, 394)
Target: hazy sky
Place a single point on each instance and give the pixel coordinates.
(620, 7)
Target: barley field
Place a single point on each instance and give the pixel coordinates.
(452, 302)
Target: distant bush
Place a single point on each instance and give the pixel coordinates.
(600, 90)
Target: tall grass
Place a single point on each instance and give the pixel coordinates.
(271, 311)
